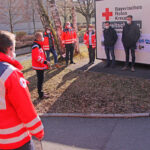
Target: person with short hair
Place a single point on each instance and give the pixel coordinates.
(49, 46)
(69, 37)
(110, 38)
(130, 36)
(39, 63)
(18, 118)
(90, 42)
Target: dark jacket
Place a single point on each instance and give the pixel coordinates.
(50, 38)
(110, 37)
(130, 35)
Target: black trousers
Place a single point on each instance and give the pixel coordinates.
(69, 52)
(40, 80)
(27, 146)
(91, 54)
(127, 52)
(110, 50)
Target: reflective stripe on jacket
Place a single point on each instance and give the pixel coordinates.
(18, 118)
(46, 44)
(69, 36)
(38, 57)
(93, 39)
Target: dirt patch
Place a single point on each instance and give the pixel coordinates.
(73, 91)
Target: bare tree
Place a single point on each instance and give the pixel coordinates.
(45, 19)
(74, 23)
(13, 12)
(86, 8)
(64, 8)
(33, 15)
(57, 22)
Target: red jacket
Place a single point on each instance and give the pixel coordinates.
(18, 118)
(93, 40)
(46, 44)
(69, 36)
(38, 56)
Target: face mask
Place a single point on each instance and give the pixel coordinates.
(90, 29)
(106, 27)
(128, 22)
(48, 31)
(68, 26)
(14, 55)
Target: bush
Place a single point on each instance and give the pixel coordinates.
(27, 38)
(20, 35)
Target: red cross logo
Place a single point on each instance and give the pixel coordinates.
(23, 82)
(107, 14)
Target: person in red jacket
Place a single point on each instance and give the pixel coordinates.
(90, 41)
(39, 62)
(69, 37)
(18, 118)
(49, 47)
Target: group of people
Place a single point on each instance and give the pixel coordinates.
(19, 118)
(130, 36)
(43, 46)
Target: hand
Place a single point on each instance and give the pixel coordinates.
(40, 139)
(48, 64)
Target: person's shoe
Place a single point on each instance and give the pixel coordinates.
(93, 62)
(45, 96)
(132, 69)
(124, 68)
(57, 66)
(49, 68)
(72, 63)
(89, 63)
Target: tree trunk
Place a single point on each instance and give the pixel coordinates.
(46, 22)
(88, 21)
(10, 22)
(57, 23)
(10, 17)
(65, 12)
(74, 22)
(33, 19)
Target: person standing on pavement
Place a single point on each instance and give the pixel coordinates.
(130, 36)
(18, 118)
(49, 47)
(39, 63)
(69, 37)
(110, 38)
(90, 42)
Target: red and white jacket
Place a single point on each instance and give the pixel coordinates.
(18, 118)
(93, 39)
(38, 56)
(69, 36)
(46, 45)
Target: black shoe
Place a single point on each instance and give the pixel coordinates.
(45, 96)
(72, 63)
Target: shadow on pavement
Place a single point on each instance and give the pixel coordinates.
(141, 70)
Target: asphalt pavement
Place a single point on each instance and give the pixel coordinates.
(62, 133)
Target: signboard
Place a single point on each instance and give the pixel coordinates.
(116, 11)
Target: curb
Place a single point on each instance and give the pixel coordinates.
(84, 115)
